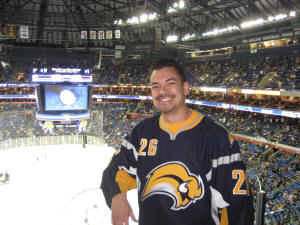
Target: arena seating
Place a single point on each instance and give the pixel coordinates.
(278, 171)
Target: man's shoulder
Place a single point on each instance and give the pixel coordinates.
(214, 131)
(148, 122)
(213, 126)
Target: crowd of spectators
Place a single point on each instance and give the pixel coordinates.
(16, 71)
(283, 72)
(111, 74)
(273, 128)
(276, 129)
(269, 101)
(270, 72)
(278, 177)
(277, 171)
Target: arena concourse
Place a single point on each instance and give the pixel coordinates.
(246, 81)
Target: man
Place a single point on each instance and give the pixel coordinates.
(187, 169)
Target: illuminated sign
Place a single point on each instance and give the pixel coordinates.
(62, 117)
(52, 78)
(17, 96)
(60, 70)
(260, 92)
(66, 70)
(213, 89)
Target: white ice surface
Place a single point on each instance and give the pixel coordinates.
(56, 185)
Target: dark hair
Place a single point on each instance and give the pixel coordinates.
(168, 62)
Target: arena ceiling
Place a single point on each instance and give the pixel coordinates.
(60, 22)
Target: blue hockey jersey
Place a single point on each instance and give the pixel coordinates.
(185, 174)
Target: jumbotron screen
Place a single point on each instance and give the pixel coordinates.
(65, 97)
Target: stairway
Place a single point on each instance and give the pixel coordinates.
(265, 80)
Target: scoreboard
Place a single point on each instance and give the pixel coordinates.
(63, 94)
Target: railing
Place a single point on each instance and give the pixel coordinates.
(49, 140)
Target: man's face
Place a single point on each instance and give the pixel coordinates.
(168, 91)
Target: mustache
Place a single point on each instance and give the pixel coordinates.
(164, 96)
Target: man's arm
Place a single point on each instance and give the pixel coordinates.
(229, 179)
(117, 179)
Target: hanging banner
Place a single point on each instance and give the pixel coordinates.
(117, 34)
(0, 29)
(24, 32)
(118, 54)
(109, 34)
(11, 30)
(83, 34)
(93, 34)
(101, 34)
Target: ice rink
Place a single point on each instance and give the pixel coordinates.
(56, 184)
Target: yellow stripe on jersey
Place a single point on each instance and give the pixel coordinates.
(231, 137)
(174, 129)
(125, 181)
(224, 217)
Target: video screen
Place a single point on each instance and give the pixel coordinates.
(65, 97)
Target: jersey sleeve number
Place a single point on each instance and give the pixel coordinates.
(238, 175)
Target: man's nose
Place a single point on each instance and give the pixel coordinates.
(163, 90)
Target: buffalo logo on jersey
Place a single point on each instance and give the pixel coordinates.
(176, 181)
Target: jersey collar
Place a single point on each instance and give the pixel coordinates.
(174, 129)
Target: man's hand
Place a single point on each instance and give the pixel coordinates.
(121, 210)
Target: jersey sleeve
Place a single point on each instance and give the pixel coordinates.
(120, 174)
(230, 189)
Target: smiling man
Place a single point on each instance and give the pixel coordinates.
(169, 89)
(187, 169)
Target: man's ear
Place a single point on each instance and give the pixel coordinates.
(186, 88)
